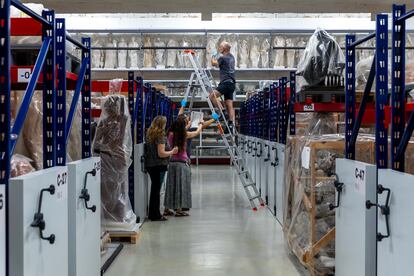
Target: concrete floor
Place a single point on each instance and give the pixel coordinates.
(221, 237)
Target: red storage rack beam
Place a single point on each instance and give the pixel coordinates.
(25, 27)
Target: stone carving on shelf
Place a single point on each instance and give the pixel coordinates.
(133, 61)
(111, 55)
(279, 54)
(255, 52)
(172, 54)
(148, 54)
(243, 53)
(122, 54)
(264, 53)
(159, 53)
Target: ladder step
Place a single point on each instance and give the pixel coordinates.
(254, 197)
(249, 184)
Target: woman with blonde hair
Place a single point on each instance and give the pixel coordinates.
(156, 163)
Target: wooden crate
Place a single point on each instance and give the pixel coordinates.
(128, 236)
(303, 199)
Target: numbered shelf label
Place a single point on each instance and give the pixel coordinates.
(309, 107)
(24, 75)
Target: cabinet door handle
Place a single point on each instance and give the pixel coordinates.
(385, 210)
(39, 221)
(85, 193)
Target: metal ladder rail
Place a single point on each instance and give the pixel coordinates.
(233, 150)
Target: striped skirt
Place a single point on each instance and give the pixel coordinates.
(178, 186)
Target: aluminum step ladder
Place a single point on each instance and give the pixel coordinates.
(202, 80)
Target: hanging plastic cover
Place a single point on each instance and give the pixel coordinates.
(322, 57)
(20, 165)
(113, 143)
(115, 86)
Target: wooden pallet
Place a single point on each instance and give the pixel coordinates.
(127, 236)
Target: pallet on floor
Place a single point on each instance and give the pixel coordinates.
(127, 236)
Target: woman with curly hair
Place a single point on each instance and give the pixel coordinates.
(156, 163)
(178, 188)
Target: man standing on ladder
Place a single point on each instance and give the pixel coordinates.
(226, 64)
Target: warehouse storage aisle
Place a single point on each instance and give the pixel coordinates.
(221, 237)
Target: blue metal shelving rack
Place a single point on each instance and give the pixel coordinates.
(271, 111)
(51, 63)
(379, 73)
(401, 130)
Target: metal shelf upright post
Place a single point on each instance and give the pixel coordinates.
(355, 217)
(395, 188)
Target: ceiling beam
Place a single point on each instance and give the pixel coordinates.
(234, 6)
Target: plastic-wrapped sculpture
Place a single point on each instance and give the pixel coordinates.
(279, 55)
(133, 54)
(243, 53)
(122, 54)
(20, 165)
(30, 142)
(113, 143)
(322, 57)
(172, 54)
(264, 53)
(199, 41)
(363, 68)
(148, 54)
(232, 39)
(290, 54)
(298, 53)
(255, 52)
(211, 48)
(183, 61)
(111, 55)
(97, 55)
(159, 53)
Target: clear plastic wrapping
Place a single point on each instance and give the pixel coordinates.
(30, 141)
(122, 54)
(264, 53)
(279, 54)
(113, 143)
(148, 54)
(172, 54)
(133, 54)
(159, 53)
(115, 86)
(254, 52)
(316, 123)
(111, 55)
(20, 165)
(322, 57)
(409, 73)
(309, 189)
(363, 68)
(290, 53)
(233, 40)
(97, 58)
(243, 52)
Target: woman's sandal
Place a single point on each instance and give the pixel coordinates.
(168, 213)
(181, 214)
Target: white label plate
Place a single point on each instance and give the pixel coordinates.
(360, 180)
(306, 157)
(24, 74)
(61, 186)
(310, 107)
